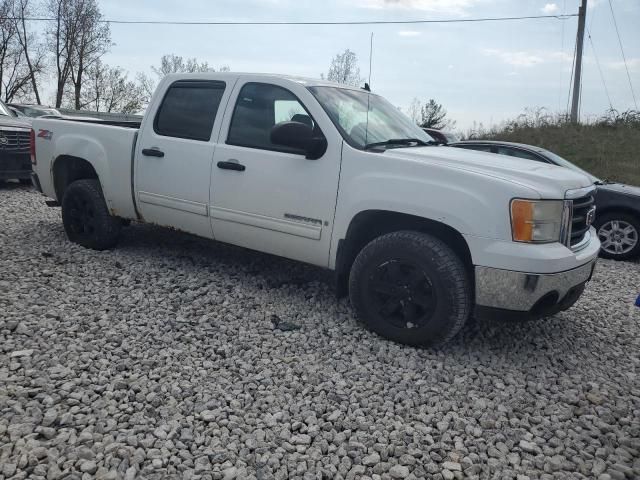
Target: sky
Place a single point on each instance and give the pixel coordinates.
(481, 72)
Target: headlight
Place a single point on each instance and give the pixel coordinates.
(540, 221)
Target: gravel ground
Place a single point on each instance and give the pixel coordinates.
(175, 357)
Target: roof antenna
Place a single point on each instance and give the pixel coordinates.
(368, 89)
(366, 85)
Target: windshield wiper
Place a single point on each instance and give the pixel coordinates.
(398, 141)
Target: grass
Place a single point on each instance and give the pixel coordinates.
(608, 147)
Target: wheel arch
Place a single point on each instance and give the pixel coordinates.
(67, 169)
(370, 224)
(618, 209)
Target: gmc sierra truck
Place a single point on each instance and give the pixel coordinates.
(420, 236)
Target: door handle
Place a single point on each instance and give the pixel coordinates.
(152, 152)
(232, 166)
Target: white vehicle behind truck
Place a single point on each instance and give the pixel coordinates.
(421, 236)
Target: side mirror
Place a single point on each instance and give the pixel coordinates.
(299, 136)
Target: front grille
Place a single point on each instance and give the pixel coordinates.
(579, 220)
(16, 141)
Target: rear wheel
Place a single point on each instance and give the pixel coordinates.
(25, 181)
(619, 235)
(86, 218)
(411, 288)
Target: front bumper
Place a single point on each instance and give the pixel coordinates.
(532, 295)
(14, 165)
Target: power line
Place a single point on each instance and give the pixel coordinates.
(595, 55)
(633, 94)
(367, 22)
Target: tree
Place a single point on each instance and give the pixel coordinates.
(77, 39)
(7, 38)
(176, 64)
(171, 63)
(92, 42)
(107, 89)
(344, 69)
(433, 115)
(21, 58)
(32, 51)
(415, 111)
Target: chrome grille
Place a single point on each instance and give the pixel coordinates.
(580, 221)
(16, 141)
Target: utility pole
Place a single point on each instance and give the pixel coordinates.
(582, 14)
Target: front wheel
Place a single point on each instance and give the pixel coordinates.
(411, 288)
(86, 217)
(619, 234)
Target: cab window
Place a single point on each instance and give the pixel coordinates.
(258, 108)
(189, 109)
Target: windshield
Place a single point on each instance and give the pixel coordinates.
(557, 159)
(363, 118)
(4, 110)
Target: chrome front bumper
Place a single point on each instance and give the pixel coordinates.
(532, 293)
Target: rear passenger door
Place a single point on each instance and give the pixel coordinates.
(174, 154)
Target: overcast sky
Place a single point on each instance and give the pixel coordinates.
(483, 72)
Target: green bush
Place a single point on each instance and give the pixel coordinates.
(608, 147)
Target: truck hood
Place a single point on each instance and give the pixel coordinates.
(12, 122)
(550, 181)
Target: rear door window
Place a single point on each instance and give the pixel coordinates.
(189, 109)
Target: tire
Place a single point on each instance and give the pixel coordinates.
(619, 234)
(25, 181)
(86, 218)
(411, 288)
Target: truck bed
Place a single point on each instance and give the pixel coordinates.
(113, 123)
(107, 145)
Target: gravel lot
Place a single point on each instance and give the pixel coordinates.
(175, 357)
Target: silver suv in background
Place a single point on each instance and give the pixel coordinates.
(15, 161)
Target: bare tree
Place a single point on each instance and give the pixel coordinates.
(31, 50)
(7, 36)
(15, 75)
(433, 115)
(171, 63)
(61, 33)
(77, 38)
(107, 89)
(415, 111)
(176, 64)
(344, 69)
(147, 85)
(92, 42)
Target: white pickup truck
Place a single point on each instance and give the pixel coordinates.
(421, 236)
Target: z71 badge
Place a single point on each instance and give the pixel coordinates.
(46, 134)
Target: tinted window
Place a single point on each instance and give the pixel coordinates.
(515, 152)
(189, 109)
(259, 107)
(481, 148)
